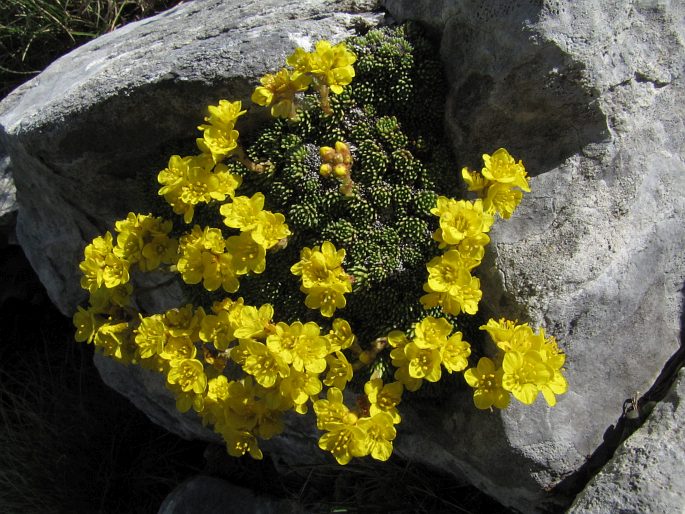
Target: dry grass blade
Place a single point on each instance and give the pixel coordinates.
(35, 32)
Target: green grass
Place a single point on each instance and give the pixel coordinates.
(33, 33)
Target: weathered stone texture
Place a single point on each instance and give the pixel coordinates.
(590, 95)
(647, 472)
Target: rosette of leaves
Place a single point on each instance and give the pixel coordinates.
(387, 116)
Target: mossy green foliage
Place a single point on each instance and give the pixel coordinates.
(390, 116)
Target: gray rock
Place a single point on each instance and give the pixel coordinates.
(203, 494)
(145, 389)
(589, 93)
(91, 128)
(647, 472)
(8, 202)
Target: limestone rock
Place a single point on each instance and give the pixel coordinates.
(590, 94)
(202, 494)
(8, 202)
(85, 137)
(647, 472)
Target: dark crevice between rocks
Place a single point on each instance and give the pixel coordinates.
(635, 413)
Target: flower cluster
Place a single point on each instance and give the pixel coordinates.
(497, 182)
(368, 431)
(219, 137)
(531, 363)
(263, 228)
(329, 67)
(463, 232)
(278, 91)
(338, 162)
(187, 181)
(433, 347)
(323, 278)
(142, 239)
(231, 360)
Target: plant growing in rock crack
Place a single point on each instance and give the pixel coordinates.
(331, 261)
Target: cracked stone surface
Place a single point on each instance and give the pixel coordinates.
(589, 93)
(647, 472)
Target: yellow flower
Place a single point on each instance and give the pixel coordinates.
(188, 181)
(247, 255)
(320, 267)
(446, 270)
(487, 383)
(278, 90)
(103, 299)
(113, 339)
(339, 370)
(86, 324)
(298, 387)
(344, 441)
(240, 442)
(102, 266)
(301, 60)
(220, 142)
(327, 299)
(266, 367)
(460, 219)
(455, 353)
(184, 321)
(524, 375)
(253, 323)
(310, 350)
(270, 229)
(330, 411)
(380, 433)
(423, 362)
(462, 295)
(474, 180)
(242, 212)
(160, 249)
(502, 199)
(510, 337)
(188, 375)
(172, 177)
(340, 337)
(151, 335)
(554, 359)
(178, 347)
(225, 114)
(384, 397)
(218, 330)
(501, 167)
(331, 65)
(203, 259)
(431, 333)
(283, 339)
(398, 340)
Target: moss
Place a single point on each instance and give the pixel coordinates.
(387, 116)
